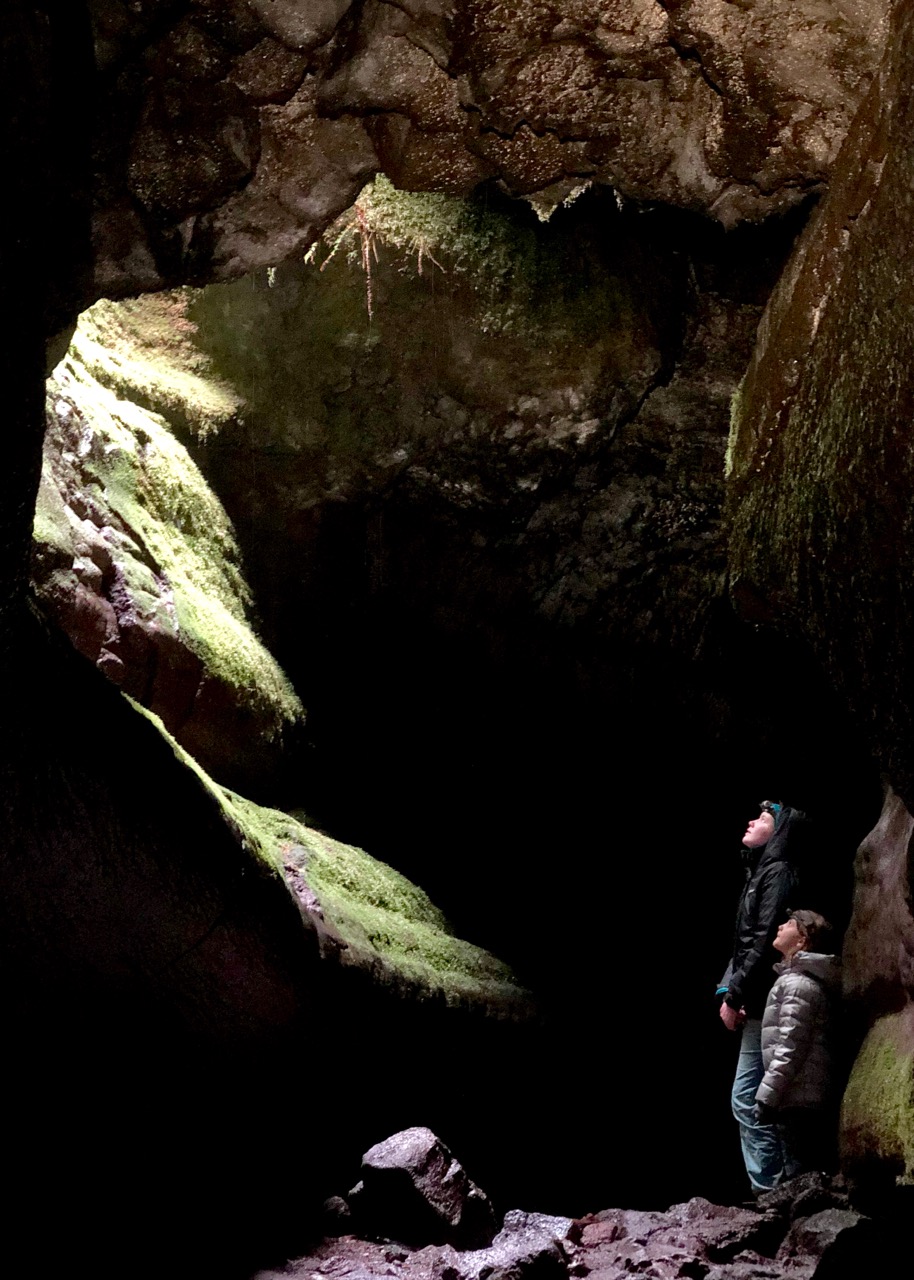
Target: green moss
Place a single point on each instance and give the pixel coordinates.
(378, 911)
(877, 1115)
(520, 271)
(52, 528)
(174, 543)
(381, 915)
(144, 350)
(247, 835)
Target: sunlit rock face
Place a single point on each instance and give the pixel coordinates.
(136, 560)
(504, 435)
(823, 542)
(231, 133)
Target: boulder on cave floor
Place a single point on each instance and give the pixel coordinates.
(413, 1190)
(697, 1240)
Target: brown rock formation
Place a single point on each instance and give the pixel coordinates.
(230, 133)
(822, 525)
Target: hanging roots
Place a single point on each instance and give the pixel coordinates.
(356, 226)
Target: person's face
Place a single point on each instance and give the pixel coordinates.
(789, 938)
(759, 831)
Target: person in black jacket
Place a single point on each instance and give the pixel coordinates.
(763, 907)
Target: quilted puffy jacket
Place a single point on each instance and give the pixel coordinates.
(796, 1035)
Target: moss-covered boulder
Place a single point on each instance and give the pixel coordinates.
(365, 914)
(134, 555)
(877, 1114)
(878, 1109)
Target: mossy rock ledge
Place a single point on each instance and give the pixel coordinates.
(134, 556)
(207, 1003)
(364, 914)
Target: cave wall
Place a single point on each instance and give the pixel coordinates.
(479, 506)
(230, 133)
(821, 541)
(164, 994)
(136, 561)
(190, 181)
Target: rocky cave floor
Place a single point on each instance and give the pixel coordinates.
(803, 1230)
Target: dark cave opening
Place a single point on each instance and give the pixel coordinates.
(570, 790)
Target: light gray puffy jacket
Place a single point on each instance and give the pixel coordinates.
(796, 1036)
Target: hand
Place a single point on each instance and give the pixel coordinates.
(730, 1017)
(765, 1114)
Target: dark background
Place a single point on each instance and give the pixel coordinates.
(581, 814)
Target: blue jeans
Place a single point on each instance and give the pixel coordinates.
(762, 1152)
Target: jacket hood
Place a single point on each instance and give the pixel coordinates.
(825, 969)
(776, 849)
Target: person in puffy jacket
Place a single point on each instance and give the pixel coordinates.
(763, 905)
(797, 1092)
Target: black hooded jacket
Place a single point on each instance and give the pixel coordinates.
(763, 906)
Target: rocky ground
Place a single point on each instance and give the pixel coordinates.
(805, 1230)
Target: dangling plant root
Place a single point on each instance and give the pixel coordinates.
(360, 233)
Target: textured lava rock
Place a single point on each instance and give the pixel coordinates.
(556, 440)
(822, 525)
(231, 134)
(695, 1239)
(413, 1190)
(163, 975)
(878, 1111)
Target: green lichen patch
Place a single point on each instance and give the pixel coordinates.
(877, 1115)
(378, 912)
(145, 350)
(173, 545)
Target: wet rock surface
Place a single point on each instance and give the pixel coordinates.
(231, 134)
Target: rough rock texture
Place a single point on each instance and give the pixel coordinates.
(230, 134)
(482, 528)
(821, 522)
(695, 1239)
(413, 1190)
(823, 542)
(136, 561)
(878, 1109)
